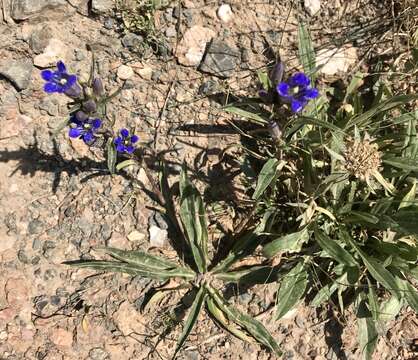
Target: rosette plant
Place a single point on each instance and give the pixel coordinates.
(340, 179)
(204, 279)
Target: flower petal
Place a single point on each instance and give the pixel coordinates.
(118, 141)
(297, 105)
(47, 75)
(61, 67)
(50, 88)
(96, 123)
(299, 79)
(129, 149)
(120, 148)
(134, 139)
(310, 93)
(88, 137)
(71, 80)
(124, 132)
(75, 132)
(283, 89)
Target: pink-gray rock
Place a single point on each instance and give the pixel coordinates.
(18, 72)
(220, 59)
(25, 9)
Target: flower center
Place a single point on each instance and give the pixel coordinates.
(127, 142)
(87, 126)
(295, 90)
(63, 81)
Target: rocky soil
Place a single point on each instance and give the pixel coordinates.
(57, 200)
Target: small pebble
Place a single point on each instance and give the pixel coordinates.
(225, 13)
(125, 72)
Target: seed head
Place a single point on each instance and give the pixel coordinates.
(362, 158)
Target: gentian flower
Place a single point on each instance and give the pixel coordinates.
(124, 142)
(84, 129)
(297, 91)
(58, 81)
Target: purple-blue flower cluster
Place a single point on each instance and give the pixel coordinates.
(58, 81)
(125, 142)
(85, 124)
(297, 91)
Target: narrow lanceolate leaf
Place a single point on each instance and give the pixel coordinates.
(193, 217)
(355, 82)
(131, 269)
(111, 156)
(267, 175)
(409, 198)
(361, 216)
(290, 242)
(375, 268)
(252, 275)
(125, 163)
(254, 116)
(390, 308)
(325, 292)
(362, 120)
(255, 328)
(368, 336)
(411, 294)
(140, 258)
(291, 289)
(219, 315)
(306, 51)
(334, 249)
(191, 319)
(402, 163)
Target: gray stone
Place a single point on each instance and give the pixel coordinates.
(39, 39)
(102, 6)
(19, 72)
(98, 354)
(132, 40)
(171, 31)
(157, 237)
(108, 23)
(245, 298)
(35, 227)
(220, 59)
(25, 9)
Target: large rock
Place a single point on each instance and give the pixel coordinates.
(336, 60)
(220, 59)
(102, 6)
(56, 50)
(19, 72)
(192, 46)
(25, 9)
(312, 6)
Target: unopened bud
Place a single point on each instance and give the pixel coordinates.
(74, 91)
(89, 106)
(98, 89)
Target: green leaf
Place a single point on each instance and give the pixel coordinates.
(219, 315)
(304, 120)
(251, 275)
(332, 248)
(406, 220)
(291, 289)
(261, 120)
(402, 163)
(411, 294)
(360, 216)
(264, 79)
(368, 336)
(267, 175)
(379, 273)
(193, 217)
(252, 326)
(131, 269)
(191, 319)
(354, 84)
(363, 120)
(111, 156)
(125, 164)
(290, 242)
(140, 258)
(389, 309)
(306, 51)
(325, 292)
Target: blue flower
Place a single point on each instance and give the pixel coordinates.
(297, 91)
(124, 142)
(58, 81)
(84, 129)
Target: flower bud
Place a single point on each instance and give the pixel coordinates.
(74, 91)
(89, 106)
(81, 115)
(98, 89)
(276, 74)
